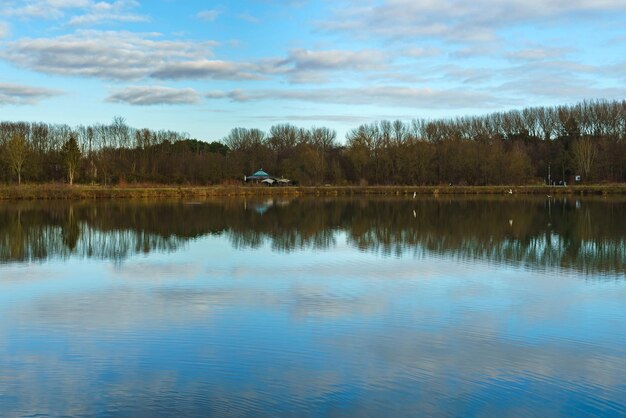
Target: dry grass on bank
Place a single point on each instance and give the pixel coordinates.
(84, 192)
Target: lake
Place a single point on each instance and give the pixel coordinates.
(477, 306)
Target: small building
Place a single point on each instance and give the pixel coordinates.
(261, 177)
(257, 177)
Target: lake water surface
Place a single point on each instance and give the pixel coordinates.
(491, 306)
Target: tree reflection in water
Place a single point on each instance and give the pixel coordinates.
(585, 234)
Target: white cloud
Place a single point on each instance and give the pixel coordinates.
(4, 30)
(105, 12)
(308, 66)
(477, 50)
(83, 11)
(247, 17)
(340, 118)
(103, 54)
(419, 52)
(123, 55)
(468, 21)
(41, 9)
(304, 59)
(397, 96)
(537, 54)
(208, 15)
(15, 94)
(211, 69)
(561, 81)
(154, 95)
(465, 75)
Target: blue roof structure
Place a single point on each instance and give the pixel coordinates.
(259, 175)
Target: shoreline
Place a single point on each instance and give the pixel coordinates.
(89, 192)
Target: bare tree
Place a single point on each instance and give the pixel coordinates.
(16, 152)
(71, 157)
(584, 152)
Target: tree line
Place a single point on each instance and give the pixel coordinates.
(529, 146)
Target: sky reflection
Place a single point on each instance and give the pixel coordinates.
(215, 329)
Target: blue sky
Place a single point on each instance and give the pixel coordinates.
(204, 67)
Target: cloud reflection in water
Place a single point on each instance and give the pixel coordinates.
(216, 329)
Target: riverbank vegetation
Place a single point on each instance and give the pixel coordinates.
(523, 147)
(130, 191)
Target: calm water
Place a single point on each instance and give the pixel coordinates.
(314, 307)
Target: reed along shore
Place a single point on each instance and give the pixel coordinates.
(88, 192)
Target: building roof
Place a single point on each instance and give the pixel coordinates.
(260, 173)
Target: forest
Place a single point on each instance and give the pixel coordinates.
(534, 145)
